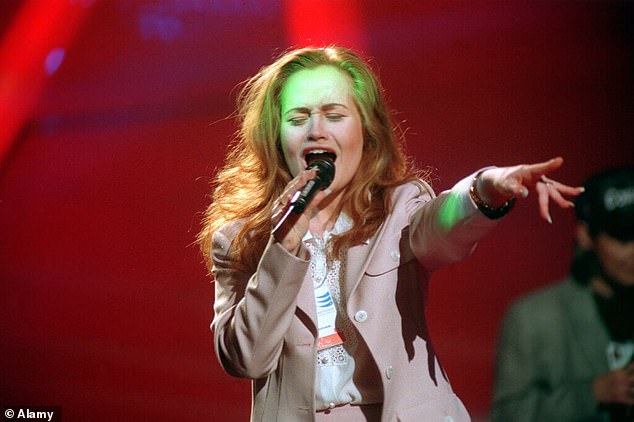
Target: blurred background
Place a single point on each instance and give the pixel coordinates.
(114, 115)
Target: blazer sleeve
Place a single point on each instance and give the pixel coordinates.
(445, 229)
(253, 310)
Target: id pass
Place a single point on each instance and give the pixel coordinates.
(326, 317)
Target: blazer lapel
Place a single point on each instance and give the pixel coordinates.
(358, 259)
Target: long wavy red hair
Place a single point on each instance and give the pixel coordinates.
(255, 173)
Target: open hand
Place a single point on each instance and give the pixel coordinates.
(497, 185)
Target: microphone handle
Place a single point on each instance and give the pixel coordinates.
(306, 194)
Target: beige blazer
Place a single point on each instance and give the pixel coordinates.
(265, 318)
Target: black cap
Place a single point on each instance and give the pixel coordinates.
(607, 205)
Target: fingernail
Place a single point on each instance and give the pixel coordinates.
(327, 191)
(572, 204)
(524, 193)
(550, 220)
(581, 189)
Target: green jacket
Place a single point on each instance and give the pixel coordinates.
(552, 345)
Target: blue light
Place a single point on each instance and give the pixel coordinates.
(54, 60)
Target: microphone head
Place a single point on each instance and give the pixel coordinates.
(325, 167)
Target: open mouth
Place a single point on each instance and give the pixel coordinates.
(319, 153)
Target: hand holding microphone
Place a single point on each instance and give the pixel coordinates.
(325, 173)
(288, 220)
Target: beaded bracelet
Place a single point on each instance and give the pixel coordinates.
(491, 212)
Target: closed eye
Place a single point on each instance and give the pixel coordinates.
(297, 121)
(334, 117)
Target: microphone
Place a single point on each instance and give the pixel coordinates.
(325, 174)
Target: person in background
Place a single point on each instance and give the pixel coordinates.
(566, 352)
(324, 310)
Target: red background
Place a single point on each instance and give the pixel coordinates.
(104, 301)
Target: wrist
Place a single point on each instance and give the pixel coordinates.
(492, 207)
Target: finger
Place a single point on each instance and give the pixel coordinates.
(545, 167)
(298, 182)
(542, 200)
(556, 196)
(565, 189)
(277, 215)
(554, 164)
(279, 212)
(293, 188)
(297, 223)
(290, 190)
(281, 203)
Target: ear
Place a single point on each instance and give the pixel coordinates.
(584, 240)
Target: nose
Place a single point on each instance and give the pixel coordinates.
(316, 131)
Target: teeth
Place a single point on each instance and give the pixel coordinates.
(317, 151)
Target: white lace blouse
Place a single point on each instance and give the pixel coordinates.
(336, 365)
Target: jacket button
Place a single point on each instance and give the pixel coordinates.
(388, 372)
(396, 256)
(361, 316)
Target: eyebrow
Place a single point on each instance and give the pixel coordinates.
(326, 107)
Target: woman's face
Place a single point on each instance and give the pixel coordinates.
(320, 116)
